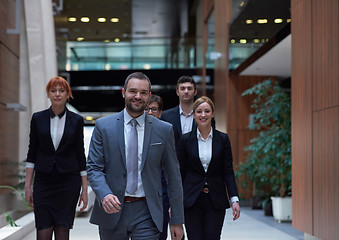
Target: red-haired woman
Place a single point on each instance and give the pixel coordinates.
(56, 158)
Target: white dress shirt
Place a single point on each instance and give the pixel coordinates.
(141, 132)
(186, 121)
(205, 153)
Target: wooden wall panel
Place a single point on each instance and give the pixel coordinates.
(7, 21)
(301, 86)
(222, 12)
(326, 177)
(325, 53)
(9, 93)
(315, 99)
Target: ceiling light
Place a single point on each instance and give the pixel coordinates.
(288, 20)
(256, 40)
(107, 40)
(84, 19)
(242, 4)
(249, 21)
(116, 40)
(107, 66)
(243, 41)
(114, 19)
(232, 41)
(262, 21)
(147, 66)
(89, 118)
(278, 20)
(72, 19)
(101, 19)
(79, 39)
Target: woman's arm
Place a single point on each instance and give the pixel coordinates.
(28, 186)
(83, 195)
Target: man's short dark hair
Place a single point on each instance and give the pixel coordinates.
(184, 79)
(137, 75)
(157, 99)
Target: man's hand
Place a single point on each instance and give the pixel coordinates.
(177, 231)
(236, 210)
(111, 204)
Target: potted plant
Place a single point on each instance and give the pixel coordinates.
(269, 154)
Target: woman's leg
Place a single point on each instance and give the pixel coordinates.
(45, 234)
(61, 233)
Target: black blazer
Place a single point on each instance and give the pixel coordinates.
(173, 116)
(69, 157)
(219, 176)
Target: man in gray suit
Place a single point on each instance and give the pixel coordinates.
(122, 213)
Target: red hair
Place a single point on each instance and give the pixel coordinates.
(55, 81)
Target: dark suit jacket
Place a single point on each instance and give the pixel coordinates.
(219, 176)
(69, 157)
(173, 116)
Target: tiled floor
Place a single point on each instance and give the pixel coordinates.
(252, 225)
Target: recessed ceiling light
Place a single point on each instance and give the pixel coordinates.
(79, 39)
(288, 20)
(243, 41)
(114, 19)
(262, 21)
(116, 40)
(84, 19)
(256, 40)
(147, 66)
(249, 21)
(232, 41)
(278, 20)
(101, 19)
(107, 40)
(72, 19)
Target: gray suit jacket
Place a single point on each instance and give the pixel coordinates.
(107, 174)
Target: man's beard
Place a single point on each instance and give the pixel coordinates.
(132, 109)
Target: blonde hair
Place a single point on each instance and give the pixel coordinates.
(201, 100)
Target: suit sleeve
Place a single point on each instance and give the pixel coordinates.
(182, 157)
(174, 184)
(228, 169)
(80, 145)
(33, 141)
(96, 165)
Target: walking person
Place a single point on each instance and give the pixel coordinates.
(128, 152)
(57, 161)
(181, 116)
(154, 108)
(206, 166)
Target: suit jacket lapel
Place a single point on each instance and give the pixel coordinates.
(68, 121)
(147, 139)
(216, 148)
(177, 122)
(48, 130)
(120, 132)
(195, 149)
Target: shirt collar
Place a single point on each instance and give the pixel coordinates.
(127, 118)
(52, 114)
(183, 113)
(199, 136)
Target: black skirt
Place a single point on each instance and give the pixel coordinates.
(55, 196)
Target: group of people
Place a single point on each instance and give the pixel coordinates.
(146, 171)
